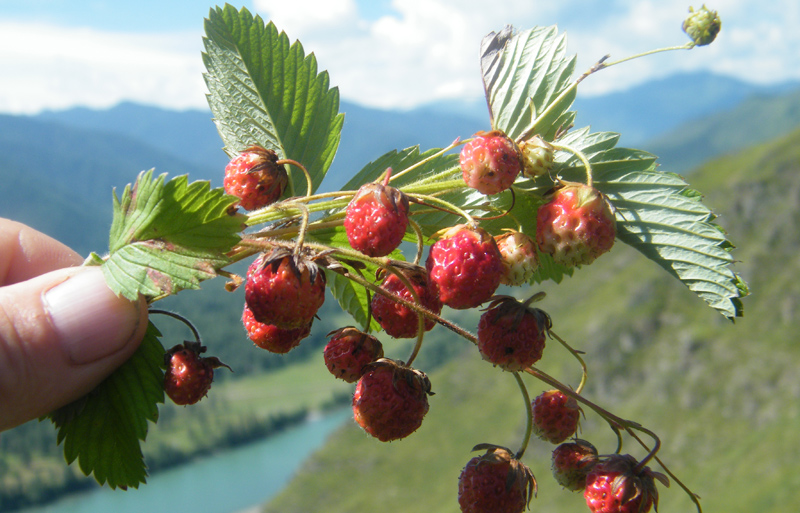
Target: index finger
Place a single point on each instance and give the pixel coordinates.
(26, 253)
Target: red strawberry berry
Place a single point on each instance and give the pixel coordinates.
(349, 351)
(466, 266)
(391, 400)
(255, 178)
(555, 416)
(376, 219)
(495, 482)
(537, 157)
(188, 377)
(576, 226)
(520, 259)
(270, 337)
(398, 320)
(284, 290)
(617, 485)
(572, 462)
(490, 162)
(511, 334)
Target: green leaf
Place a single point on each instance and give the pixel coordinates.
(659, 215)
(103, 430)
(527, 80)
(264, 90)
(166, 237)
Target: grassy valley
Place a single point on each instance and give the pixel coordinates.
(723, 397)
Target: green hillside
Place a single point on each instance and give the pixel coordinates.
(757, 119)
(723, 397)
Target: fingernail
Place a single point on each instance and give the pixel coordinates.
(91, 321)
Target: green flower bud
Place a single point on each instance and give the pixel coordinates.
(702, 26)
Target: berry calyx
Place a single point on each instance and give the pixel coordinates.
(396, 319)
(391, 400)
(188, 377)
(520, 258)
(349, 351)
(376, 219)
(617, 484)
(271, 337)
(572, 462)
(495, 482)
(555, 416)
(576, 226)
(490, 162)
(284, 290)
(537, 157)
(511, 334)
(466, 266)
(255, 177)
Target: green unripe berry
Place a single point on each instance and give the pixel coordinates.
(537, 157)
(702, 26)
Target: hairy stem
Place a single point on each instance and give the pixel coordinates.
(581, 156)
(529, 412)
(577, 355)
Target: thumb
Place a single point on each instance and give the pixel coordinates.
(61, 334)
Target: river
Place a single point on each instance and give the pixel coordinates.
(232, 481)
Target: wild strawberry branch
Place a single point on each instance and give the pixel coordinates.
(170, 235)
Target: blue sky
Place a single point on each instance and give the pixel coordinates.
(57, 54)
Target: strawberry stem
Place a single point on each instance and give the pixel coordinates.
(309, 181)
(386, 176)
(529, 412)
(603, 65)
(448, 207)
(599, 65)
(181, 318)
(581, 156)
(424, 161)
(577, 355)
(420, 240)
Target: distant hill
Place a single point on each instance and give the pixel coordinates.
(722, 397)
(188, 134)
(192, 136)
(57, 170)
(757, 119)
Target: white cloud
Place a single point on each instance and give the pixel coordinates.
(427, 49)
(418, 51)
(51, 67)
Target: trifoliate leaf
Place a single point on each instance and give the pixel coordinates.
(168, 236)
(264, 90)
(103, 430)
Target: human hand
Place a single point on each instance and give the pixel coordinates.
(62, 330)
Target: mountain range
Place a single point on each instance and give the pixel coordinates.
(59, 167)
